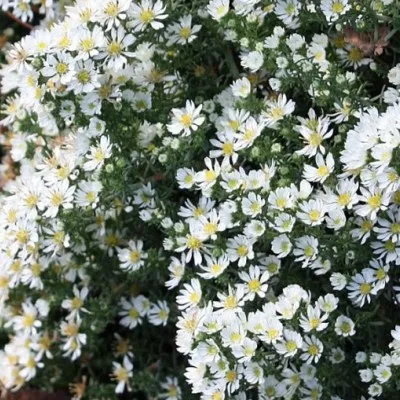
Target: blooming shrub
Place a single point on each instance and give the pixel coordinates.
(207, 201)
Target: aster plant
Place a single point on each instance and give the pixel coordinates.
(207, 201)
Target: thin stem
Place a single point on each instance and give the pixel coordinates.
(22, 23)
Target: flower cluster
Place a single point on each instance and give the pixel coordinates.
(25, 10)
(207, 201)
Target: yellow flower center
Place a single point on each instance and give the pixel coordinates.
(395, 228)
(273, 333)
(291, 345)
(90, 197)
(198, 212)
(56, 199)
(366, 226)
(337, 7)
(355, 54)
(172, 391)
(65, 42)
(22, 236)
(390, 246)
(146, 16)
(133, 313)
(313, 350)
(375, 201)
(314, 323)
(111, 9)
(227, 149)
(76, 303)
(112, 240)
(134, 256)
(62, 68)
(344, 199)
(242, 250)
(210, 175)
(381, 274)
(83, 76)
(193, 243)
(185, 33)
(36, 269)
(254, 285)
(121, 374)
(114, 48)
(231, 376)
(194, 297)
(188, 179)
(58, 237)
(235, 337)
(234, 125)
(28, 320)
(31, 200)
(345, 327)
(216, 268)
(309, 251)
(87, 44)
(322, 171)
(314, 215)
(186, 120)
(99, 155)
(281, 202)
(290, 9)
(277, 113)
(231, 302)
(210, 228)
(315, 139)
(365, 288)
(272, 268)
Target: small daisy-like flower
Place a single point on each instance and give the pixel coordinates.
(252, 205)
(60, 68)
(281, 246)
(190, 295)
(344, 326)
(361, 287)
(252, 60)
(312, 348)
(98, 154)
(218, 8)
(147, 13)
(159, 313)
(313, 131)
(312, 212)
(122, 373)
(215, 267)
(290, 343)
(255, 282)
(240, 248)
(132, 313)
(185, 120)
(132, 258)
(113, 12)
(182, 32)
(314, 320)
(171, 389)
(277, 110)
(116, 51)
(241, 87)
(322, 171)
(333, 9)
(230, 303)
(373, 201)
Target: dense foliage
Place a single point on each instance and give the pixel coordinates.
(207, 200)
